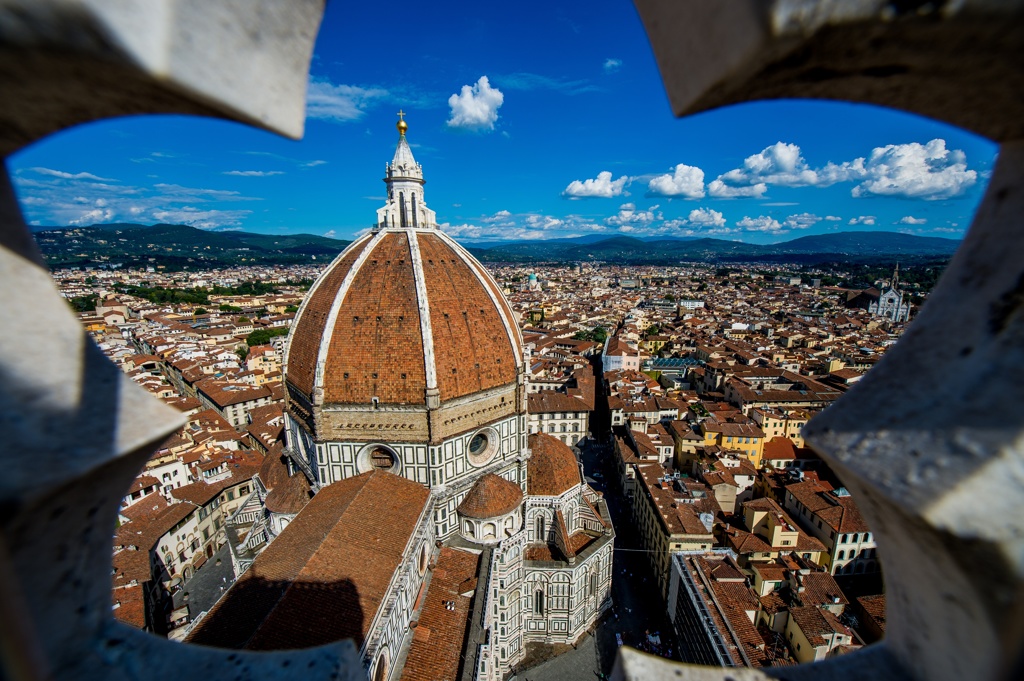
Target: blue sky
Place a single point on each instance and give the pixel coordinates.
(531, 120)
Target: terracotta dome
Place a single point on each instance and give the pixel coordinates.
(491, 497)
(399, 313)
(552, 468)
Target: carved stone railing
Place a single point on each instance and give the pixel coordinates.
(945, 496)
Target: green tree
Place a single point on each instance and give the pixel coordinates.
(229, 308)
(242, 351)
(291, 309)
(200, 310)
(83, 303)
(263, 336)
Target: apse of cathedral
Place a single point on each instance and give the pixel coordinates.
(441, 536)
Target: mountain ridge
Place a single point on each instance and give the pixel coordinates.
(177, 246)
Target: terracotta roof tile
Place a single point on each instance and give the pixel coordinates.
(324, 577)
(376, 348)
(471, 346)
(436, 649)
(308, 328)
(490, 497)
(552, 468)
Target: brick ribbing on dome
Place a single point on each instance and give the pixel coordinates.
(471, 345)
(304, 344)
(492, 496)
(509, 315)
(552, 468)
(376, 338)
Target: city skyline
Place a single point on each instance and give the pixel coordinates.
(527, 130)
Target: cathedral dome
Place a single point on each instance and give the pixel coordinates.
(404, 316)
(491, 497)
(552, 468)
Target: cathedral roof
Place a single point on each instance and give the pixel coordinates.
(552, 468)
(400, 312)
(325, 577)
(404, 313)
(491, 497)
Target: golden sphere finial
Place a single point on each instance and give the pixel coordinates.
(401, 125)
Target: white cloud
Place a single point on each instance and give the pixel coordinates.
(833, 218)
(612, 65)
(339, 103)
(762, 223)
(720, 190)
(535, 81)
(500, 216)
(915, 171)
(801, 221)
(928, 171)
(705, 217)
(330, 234)
(603, 186)
(71, 176)
(543, 221)
(491, 232)
(685, 181)
(629, 217)
(210, 218)
(253, 173)
(94, 216)
(476, 107)
(61, 198)
(911, 220)
(313, 164)
(780, 164)
(862, 220)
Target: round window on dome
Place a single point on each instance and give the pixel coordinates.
(482, 447)
(377, 457)
(424, 558)
(382, 459)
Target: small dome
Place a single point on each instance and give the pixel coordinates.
(552, 468)
(491, 497)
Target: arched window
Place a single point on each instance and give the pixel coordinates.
(593, 585)
(490, 531)
(842, 554)
(541, 534)
(538, 603)
(470, 530)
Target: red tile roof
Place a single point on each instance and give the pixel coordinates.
(490, 497)
(552, 468)
(437, 640)
(324, 577)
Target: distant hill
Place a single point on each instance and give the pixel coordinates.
(177, 246)
(864, 247)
